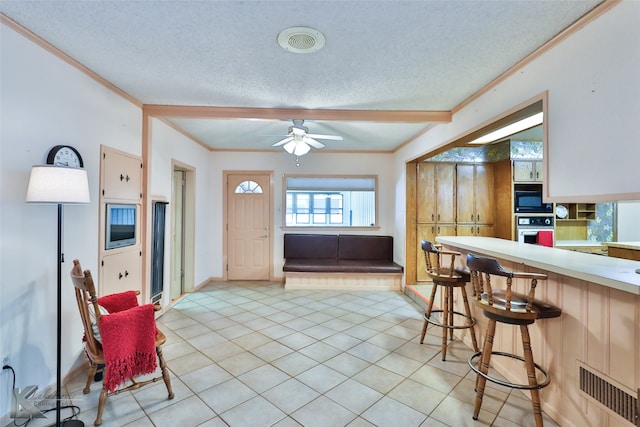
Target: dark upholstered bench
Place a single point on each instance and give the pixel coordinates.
(346, 261)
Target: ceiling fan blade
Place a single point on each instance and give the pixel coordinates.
(284, 141)
(331, 137)
(312, 142)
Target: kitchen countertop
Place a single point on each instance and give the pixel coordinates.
(577, 243)
(624, 245)
(615, 273)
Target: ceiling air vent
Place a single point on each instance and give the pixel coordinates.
(301, 40)
(608, 393)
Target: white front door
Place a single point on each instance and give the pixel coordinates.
(248, 226)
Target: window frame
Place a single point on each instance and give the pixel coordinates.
(310, 226)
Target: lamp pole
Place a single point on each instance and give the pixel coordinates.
(59, 185)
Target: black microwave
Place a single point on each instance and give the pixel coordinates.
(530, 201)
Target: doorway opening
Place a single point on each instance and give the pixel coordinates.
(182, 230)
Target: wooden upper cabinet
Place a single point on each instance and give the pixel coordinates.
(475, 194)
(484, 188)
(466, 194)
(426, 193)
(446, 193)
(436, 193)
(528, 171)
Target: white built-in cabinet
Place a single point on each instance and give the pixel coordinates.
(120, 183)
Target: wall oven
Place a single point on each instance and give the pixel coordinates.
(528, 199)
(537, 230)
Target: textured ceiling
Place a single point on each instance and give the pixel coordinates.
(379, 55)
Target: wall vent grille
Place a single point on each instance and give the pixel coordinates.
(612, 396)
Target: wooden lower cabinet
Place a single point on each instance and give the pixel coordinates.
(625, 253)
(429, 232)
(482, 230)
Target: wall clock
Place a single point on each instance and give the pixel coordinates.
(65, 155)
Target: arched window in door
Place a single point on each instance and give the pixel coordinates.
(248, 187)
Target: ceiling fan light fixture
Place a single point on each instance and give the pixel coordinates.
(301, 39)
(297, 148)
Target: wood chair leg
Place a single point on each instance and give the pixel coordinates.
(467, 310)
(485, 360)
(531, 374)
(428, 313)
(450, 289)
(102, 401)
(165, 372)
(92, 372)
(445, 319)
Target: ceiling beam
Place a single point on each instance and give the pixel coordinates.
(205, 112)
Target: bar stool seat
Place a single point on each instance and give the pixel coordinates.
(448, 278)
(505, 306)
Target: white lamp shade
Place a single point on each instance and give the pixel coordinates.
(58, 184)
(297, 148)
(302, 148)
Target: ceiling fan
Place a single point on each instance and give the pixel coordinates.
(299, 141)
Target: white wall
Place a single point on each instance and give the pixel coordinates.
(314, 163)
(47, 102)
(627, 222)
(594, 105)
(169, 145)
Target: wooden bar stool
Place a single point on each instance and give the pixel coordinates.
(505, 306)
(447, 278)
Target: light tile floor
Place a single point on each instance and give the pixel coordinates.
(251, 354)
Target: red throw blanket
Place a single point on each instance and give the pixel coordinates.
(129, 345)
(118, 302)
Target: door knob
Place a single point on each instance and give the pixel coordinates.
(266, 235)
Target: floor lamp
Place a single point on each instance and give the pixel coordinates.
(59, 185)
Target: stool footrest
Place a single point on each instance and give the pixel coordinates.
(437, 323)
(543, 384)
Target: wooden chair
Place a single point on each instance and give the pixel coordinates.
(508, 307)
(448, 278)
(86, 296)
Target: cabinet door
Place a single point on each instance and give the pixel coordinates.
(465, 202)
(484, 184)
(121, 272)
(475, 230)
(485, 231)
(445, 230)
(122, 176)
(538, 169)
(466, 230)
(424, 232)
(523, 170)
(446, 193)
(426, 193)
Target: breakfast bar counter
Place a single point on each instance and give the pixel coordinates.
(592, 349)
(615, 273)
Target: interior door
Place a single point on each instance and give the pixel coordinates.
(248, 226)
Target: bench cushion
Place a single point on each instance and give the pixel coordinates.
(359, 247)
(311, 246)
(340, 266)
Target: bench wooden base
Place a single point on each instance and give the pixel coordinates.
(344, 281)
